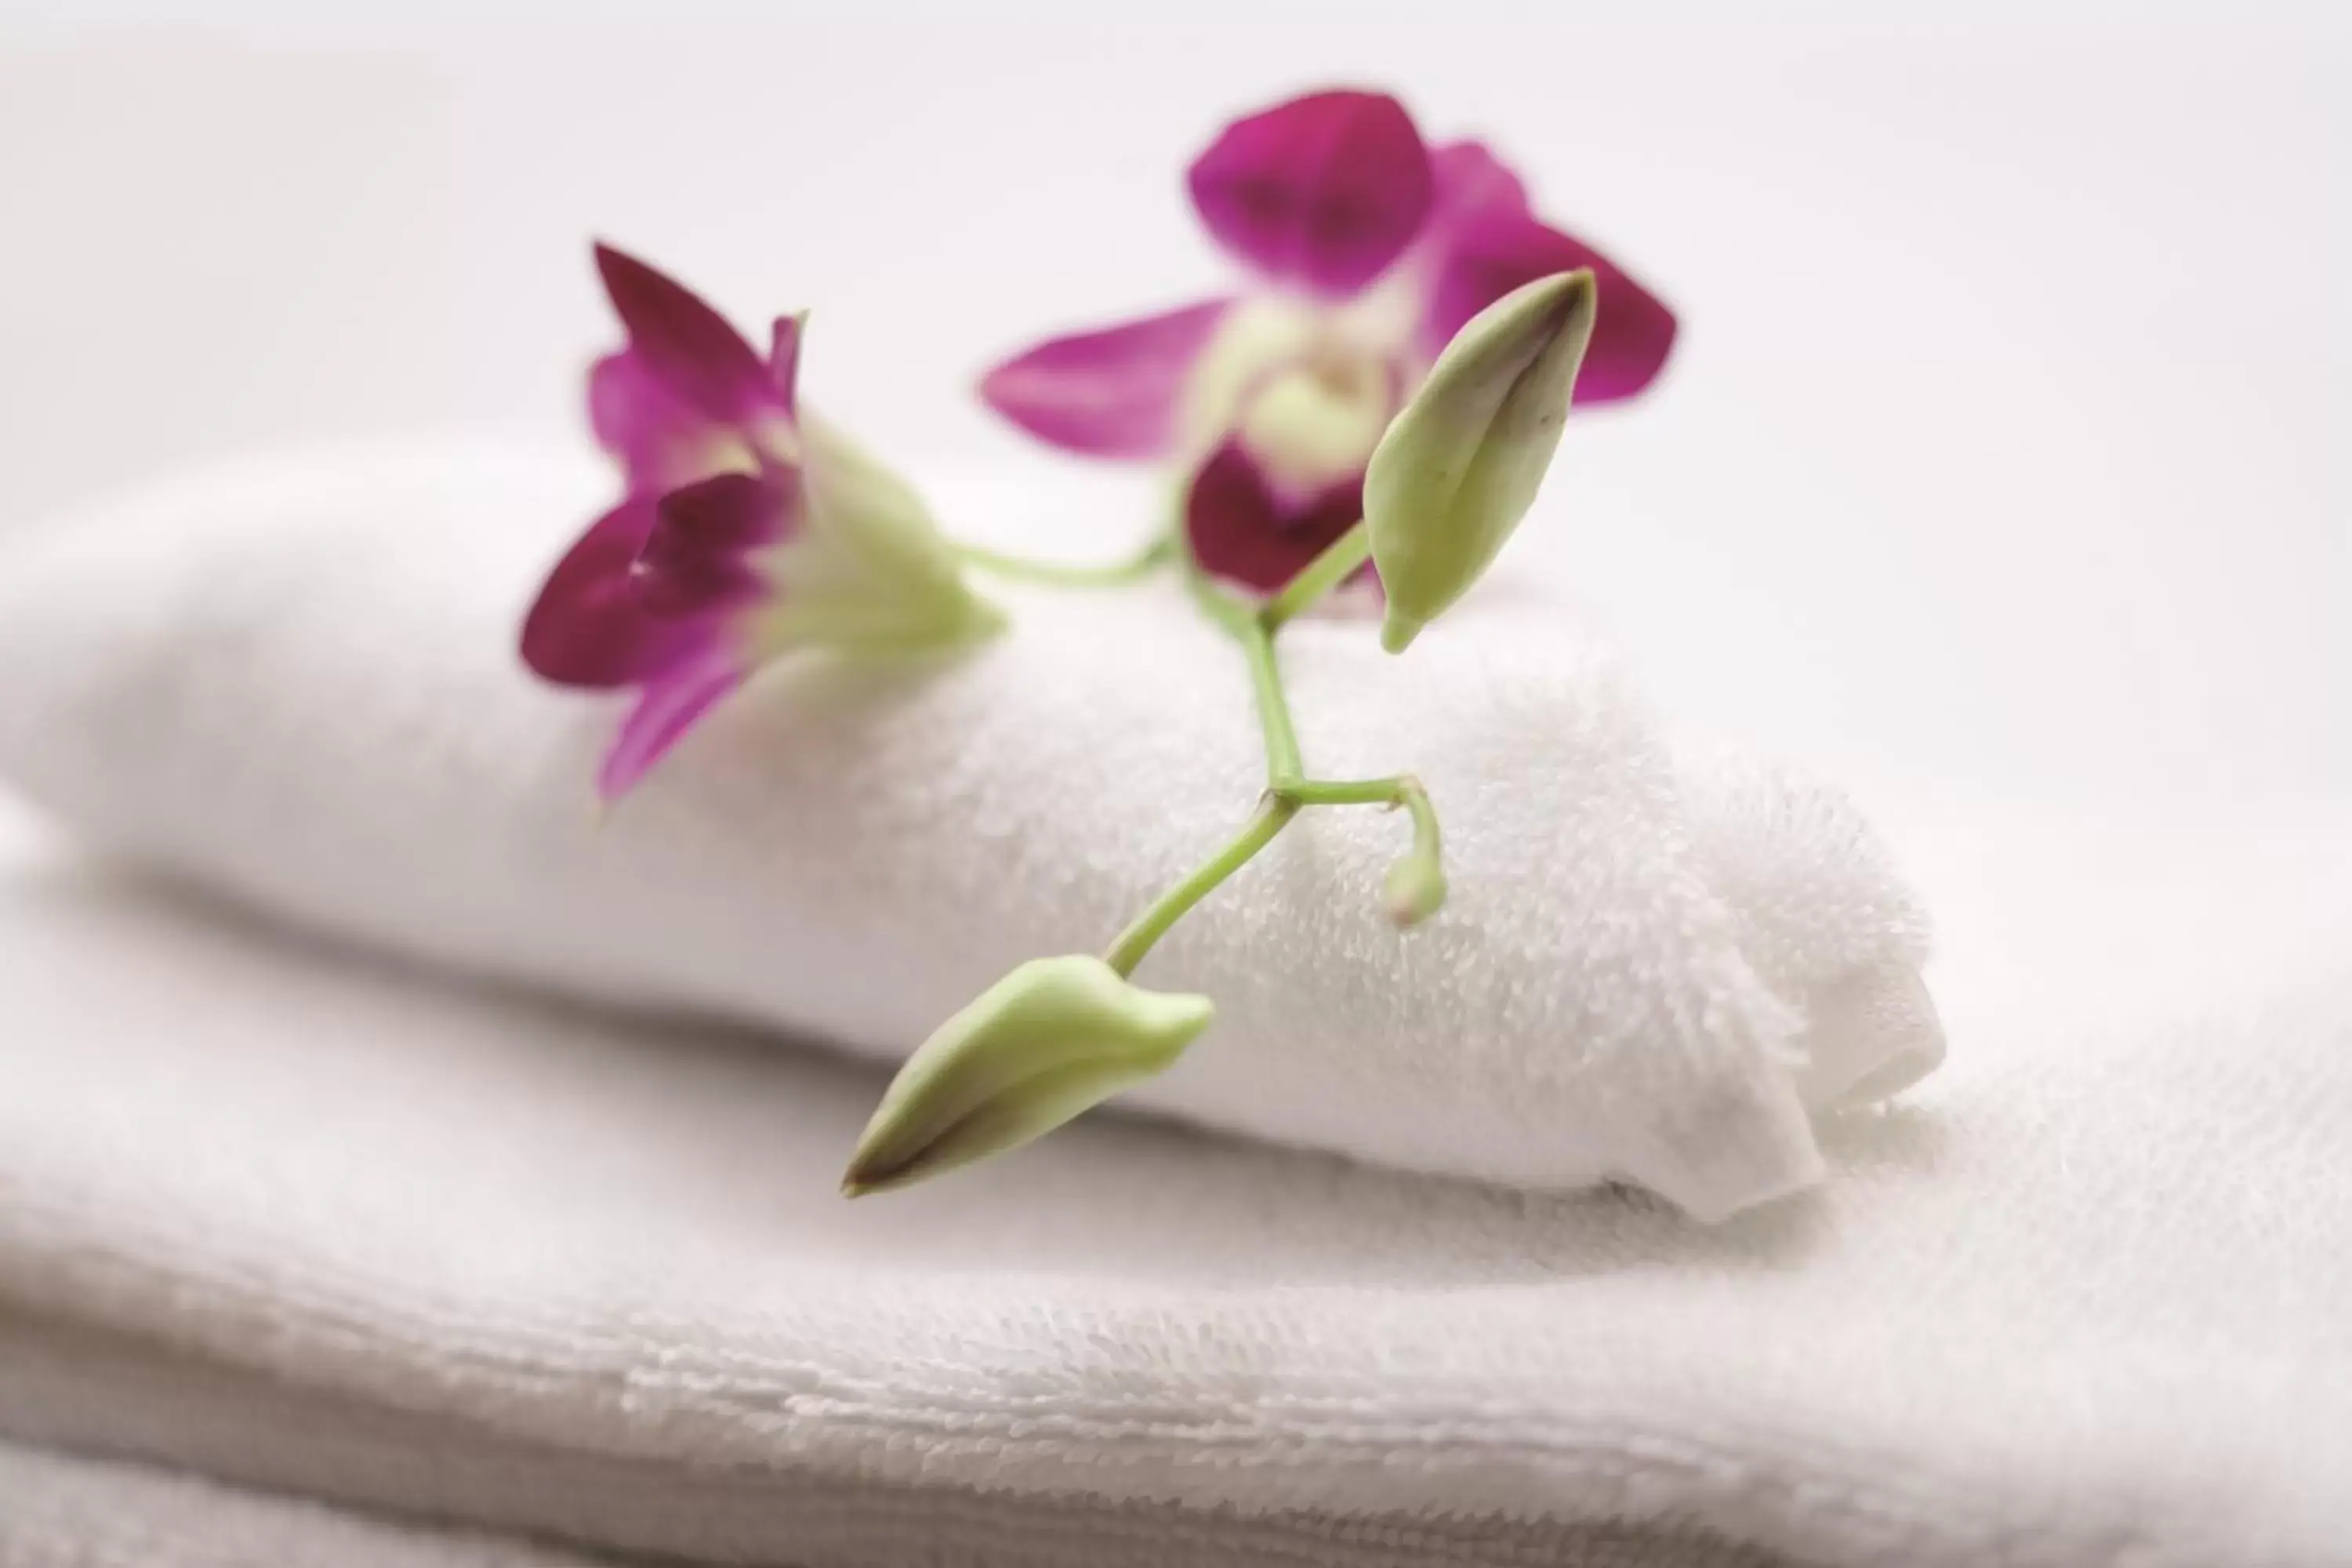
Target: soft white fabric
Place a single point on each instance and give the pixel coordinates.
(60, 1510)
(290, 1219)
(299, 684)
(277, 1213)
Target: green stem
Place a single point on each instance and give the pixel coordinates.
(1282, 764)
(1057, 574)
(1346, 792)
(1404, 790)
(1317, 577)
(1417, 806)
(1274, 813)
(1288, 790)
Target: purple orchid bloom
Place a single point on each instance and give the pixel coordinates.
(749, 529)
(1371, 248)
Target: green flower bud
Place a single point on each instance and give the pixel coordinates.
(1413, 890)
(1051, 1040)
(1462, 461)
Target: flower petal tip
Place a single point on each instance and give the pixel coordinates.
(784, 357)
(1633, 338)
(629, 280)
(665, 709)
(1324, 191)
(686, 345)
(1110, 391)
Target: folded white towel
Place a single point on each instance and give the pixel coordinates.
(64, 1511)
(287, 1220)
(299, 684)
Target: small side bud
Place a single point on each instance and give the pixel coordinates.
(1414, 890)
(1048, 1042)
(1461, 463)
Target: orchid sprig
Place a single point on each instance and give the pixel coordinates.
(1457, 469)
(1450, 479)
(1382, 404)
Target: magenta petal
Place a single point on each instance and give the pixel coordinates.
(1471, 180)
(662, 443)
(684, 345)
(1324, 191)
(1113, 393)
(1632, 337)
(1487, 243)
(785, 359)
(1240, 530)
(699, 558)
(665, 711)
(589, 625)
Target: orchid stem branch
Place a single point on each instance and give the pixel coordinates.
(1057, 574)
(1283, 765)
(1243, 624)
(1337, 562)
(1273, 814)
(1287, 789)
(1404, 790)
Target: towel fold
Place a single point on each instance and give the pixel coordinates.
(66, 1510)
(283, 1217)
(297, 684)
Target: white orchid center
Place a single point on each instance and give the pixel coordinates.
(1308, 389)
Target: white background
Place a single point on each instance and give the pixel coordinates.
(2010, 440)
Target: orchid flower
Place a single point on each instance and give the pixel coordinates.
(749, 529)
(1368, 248)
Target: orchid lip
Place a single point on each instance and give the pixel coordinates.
(588, 626)
(700, 558)
(1241, 527)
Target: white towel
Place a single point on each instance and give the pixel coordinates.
(285, 1218)
(64, 1511)
(297, 684)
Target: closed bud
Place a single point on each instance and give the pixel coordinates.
(1413, 890)
(1051, 1040)
(1461, 463)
